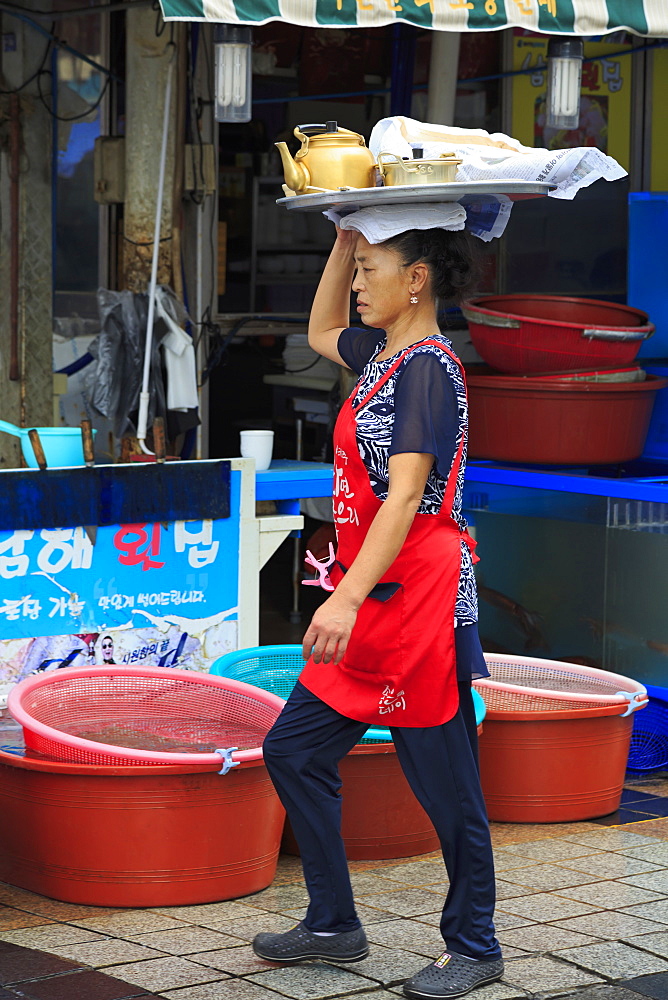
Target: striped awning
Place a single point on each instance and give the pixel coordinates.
(575, 17)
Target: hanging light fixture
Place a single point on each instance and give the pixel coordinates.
(564, 81)
(233, 72)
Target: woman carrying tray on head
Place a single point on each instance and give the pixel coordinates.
(396, 644)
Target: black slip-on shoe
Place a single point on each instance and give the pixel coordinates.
(451, 975)
(299, 943)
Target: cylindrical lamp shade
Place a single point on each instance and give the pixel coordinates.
(233, 73)
(564, 81)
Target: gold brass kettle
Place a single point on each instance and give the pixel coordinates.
(330, 157)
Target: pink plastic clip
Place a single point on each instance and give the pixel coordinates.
(321, 566)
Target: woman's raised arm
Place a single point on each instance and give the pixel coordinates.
(330, 312)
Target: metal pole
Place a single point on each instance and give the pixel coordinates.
(403, 68)
(443, 77)
(15, 244)
(145, 395)
(295, 614)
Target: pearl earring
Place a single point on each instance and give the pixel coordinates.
(414, 299)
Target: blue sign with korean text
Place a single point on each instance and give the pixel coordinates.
(57, 578)
(163, 594)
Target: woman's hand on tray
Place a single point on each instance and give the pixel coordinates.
(346, 238)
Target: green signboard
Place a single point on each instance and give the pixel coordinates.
(578, 17)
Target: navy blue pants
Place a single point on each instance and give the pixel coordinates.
(302, 752)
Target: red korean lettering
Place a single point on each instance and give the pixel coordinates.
(591, 76)
(139, 545)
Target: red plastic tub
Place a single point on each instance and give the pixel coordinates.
(554, 767)
(547, 422)
(542, 333)
(556, 739)
(137, 835)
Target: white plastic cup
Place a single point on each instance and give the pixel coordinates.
(258, 445)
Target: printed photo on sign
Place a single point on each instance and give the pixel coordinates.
(162, 644)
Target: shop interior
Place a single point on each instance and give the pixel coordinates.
(273, 258)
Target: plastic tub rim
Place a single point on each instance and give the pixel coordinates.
(565, 715)
(504, 383)
(550, 695)
(28, 684)
(130, 770)
(624, 683)
(478, 305)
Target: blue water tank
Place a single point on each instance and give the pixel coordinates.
(648, 265)
(656, 442)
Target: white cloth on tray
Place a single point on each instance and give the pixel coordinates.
(380, 222)
(485, 157)
(496, 156)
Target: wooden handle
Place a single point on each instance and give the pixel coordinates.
(37, 448)
(159, 443)
(87, 441)
(128, 448)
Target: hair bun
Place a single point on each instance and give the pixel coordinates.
(451, 256)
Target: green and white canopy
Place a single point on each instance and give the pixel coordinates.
(573, 17)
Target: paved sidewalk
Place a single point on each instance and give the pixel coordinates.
(582, 912)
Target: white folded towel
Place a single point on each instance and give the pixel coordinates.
(381, 222)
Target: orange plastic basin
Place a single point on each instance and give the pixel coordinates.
(554, 767)
(145, 835)
(559, 423)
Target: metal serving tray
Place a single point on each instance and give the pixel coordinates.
(466, 192)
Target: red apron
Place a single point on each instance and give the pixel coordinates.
(399, 667)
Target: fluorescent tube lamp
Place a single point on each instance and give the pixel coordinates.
(564, 81)
(233, 72)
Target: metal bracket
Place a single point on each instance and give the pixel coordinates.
(489, 319)
(634, 701)
(228, 763)
(618, 334)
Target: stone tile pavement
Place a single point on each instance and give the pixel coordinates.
(582, 913)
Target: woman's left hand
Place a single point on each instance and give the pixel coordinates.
(328, 634)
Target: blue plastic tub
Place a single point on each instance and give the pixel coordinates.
(63, 447)
(649, 740)
(277, 668)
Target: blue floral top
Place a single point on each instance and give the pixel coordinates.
(420, 408)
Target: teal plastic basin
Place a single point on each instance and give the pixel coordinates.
(62, 447)
(277, 668)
